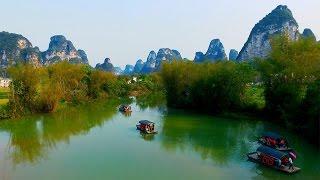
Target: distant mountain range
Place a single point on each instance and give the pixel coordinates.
(279, 21)
(15, 47)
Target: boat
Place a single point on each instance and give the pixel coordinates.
(125, 108)
(273, 158)
(146, 126)
(275, 141)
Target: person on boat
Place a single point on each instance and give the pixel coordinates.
(290, 163)
(268, 141)
(127, 108)
(273, 142)
(293, 155)
(282, 143)
(147, 129)
(278, 163)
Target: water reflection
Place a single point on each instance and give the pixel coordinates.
(153, 100)
(195, 145)
(126, 114)
(212, 138)
(225, 143)
(147, 137)
(31, 138)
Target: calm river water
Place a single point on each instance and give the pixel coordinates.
(97, 142)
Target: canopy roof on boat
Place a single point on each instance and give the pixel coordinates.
(272, 152)
(272, 135)
(146, 122)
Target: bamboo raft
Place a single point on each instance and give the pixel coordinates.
(254, 158)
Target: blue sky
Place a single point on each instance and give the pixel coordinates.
(126, 30)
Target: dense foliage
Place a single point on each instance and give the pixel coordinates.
(24, 89)
(41, 89)
(214, 87)
(291, 79)
(44, 89)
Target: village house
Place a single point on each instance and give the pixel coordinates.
(4, 82)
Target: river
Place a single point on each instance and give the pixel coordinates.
(97, 142)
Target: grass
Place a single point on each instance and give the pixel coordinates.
(4, 92)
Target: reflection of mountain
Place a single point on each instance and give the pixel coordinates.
(33, 137)
(213, 138)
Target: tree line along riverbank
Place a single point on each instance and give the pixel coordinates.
(46, 89)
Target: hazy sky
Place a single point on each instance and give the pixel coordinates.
(126, 30)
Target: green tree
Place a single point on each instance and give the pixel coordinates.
(292, 66)
(309, 119)
(214, 87)
(23, 89)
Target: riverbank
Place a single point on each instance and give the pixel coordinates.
(44, 89)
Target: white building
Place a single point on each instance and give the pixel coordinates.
(4, 82)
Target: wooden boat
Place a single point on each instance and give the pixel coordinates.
(125, 108)
(146, 126)
(272, 158)
(275, 141)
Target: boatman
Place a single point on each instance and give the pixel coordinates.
(290, 163)
(279, 163)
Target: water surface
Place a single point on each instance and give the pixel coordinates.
(97, 142)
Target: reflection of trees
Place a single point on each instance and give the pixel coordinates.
(213, 138)
(151, 100)
(147, 137)
(24, 141)
(126, 100)
(127, 114)
(31, 138)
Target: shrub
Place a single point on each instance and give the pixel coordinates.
(41, 89)
(101, 84)
(24, 88)
(292, 66)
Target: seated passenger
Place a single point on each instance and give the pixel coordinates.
(282, 143)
